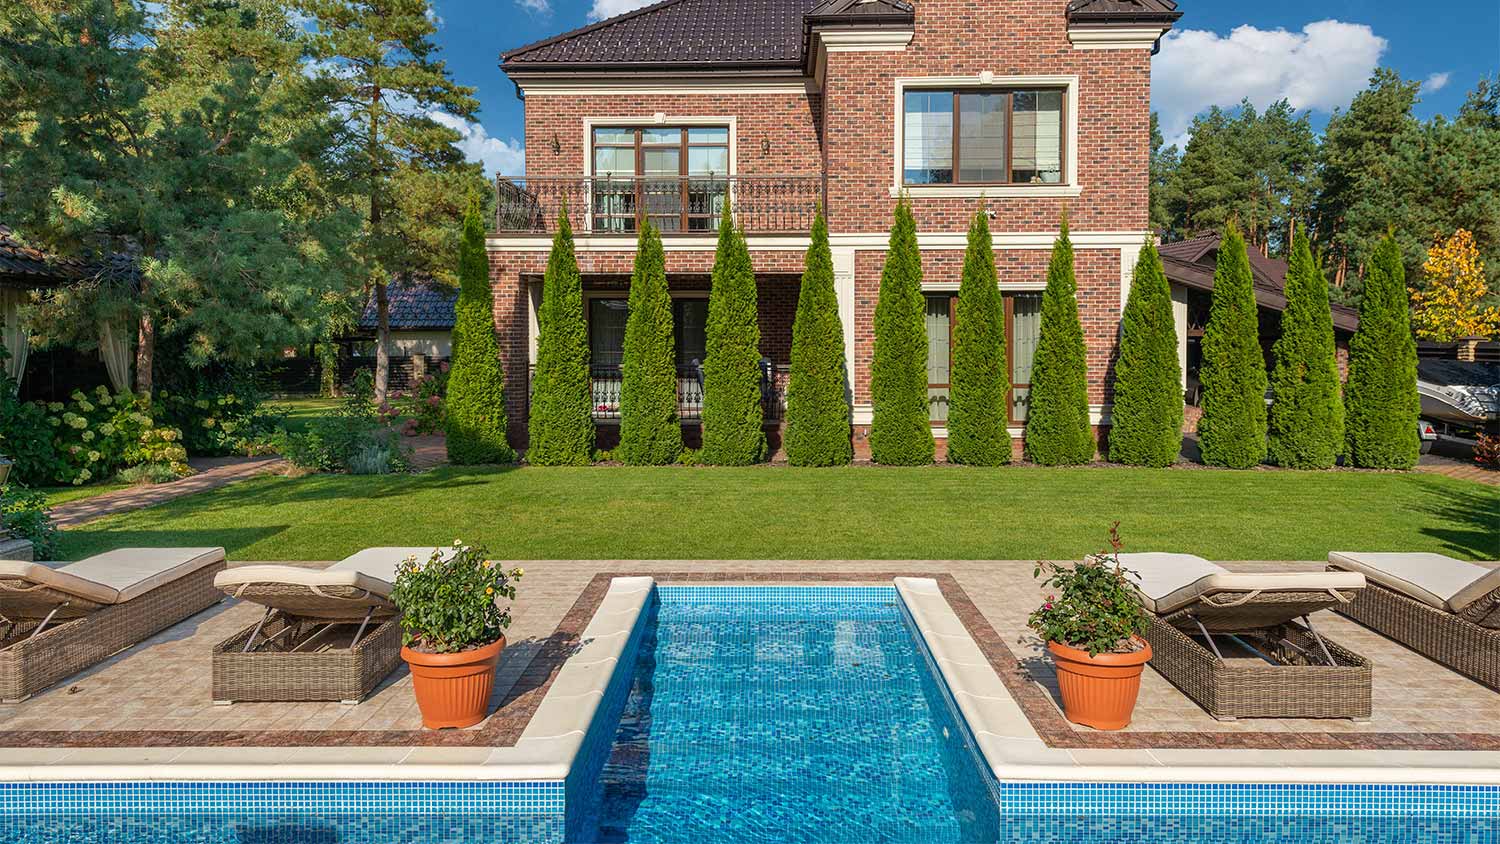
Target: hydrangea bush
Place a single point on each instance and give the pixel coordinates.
(97, 433)
(450, 601)
(424, 408)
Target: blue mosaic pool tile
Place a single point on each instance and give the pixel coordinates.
(772, 595)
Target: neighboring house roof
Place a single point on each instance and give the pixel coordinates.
(26, 266)
(676, 33)
(1191, 263)
(1123, 12)
(414, 306)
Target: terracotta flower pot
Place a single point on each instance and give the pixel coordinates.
(453, 690)
(1099, 691)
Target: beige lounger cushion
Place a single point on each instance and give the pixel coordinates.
(231, 580)
(383, 562)
(1436, 580)
(117, 576)
(1169, 582)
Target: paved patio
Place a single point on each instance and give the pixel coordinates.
(157, 694)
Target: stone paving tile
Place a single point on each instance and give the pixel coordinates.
(121, 703)
(1463, 470)
(212, 474)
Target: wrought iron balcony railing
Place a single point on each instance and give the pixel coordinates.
(674, 204)
(606, 382)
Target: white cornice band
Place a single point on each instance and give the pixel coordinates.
(798, 243)
(1116, 38)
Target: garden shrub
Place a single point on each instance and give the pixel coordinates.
(561, 426)
(24, 513)
(733, 417)
(147, 473)
(358, 437)
(900, 430)
(979, 409)
(1232, 430)
(817, 399)
(26, 438)
(1306, 421)
(1147, 415)
(1057, 424)
(474, 416)
(424, 407)
(1381, 396)
(650, 431)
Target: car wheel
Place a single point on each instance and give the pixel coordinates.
(1427, 446)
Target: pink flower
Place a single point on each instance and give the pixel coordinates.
(443, 367)
(433, 401)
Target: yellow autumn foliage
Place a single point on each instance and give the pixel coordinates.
(1453, 304)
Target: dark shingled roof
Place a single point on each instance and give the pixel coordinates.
(1191, 263)
(415, 306)
(1123, 11)
(27, 266)
(765, 33)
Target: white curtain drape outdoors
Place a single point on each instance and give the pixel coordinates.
(114, 348)
(13, 334)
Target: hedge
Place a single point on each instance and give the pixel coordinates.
(900, 432)
(1381, 396)
(979, 405)
(817, 398)
(650, 431)
(1232, 430)
(733, 418)
(475, 420)
(561, 427)
(1306, 423)
(1057, 424)
(1146, 425)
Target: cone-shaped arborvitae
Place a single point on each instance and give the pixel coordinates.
(1381, 396)
(817, 399)
(561, 428)
(979, 410)
(650, 431)
(733, 417)
(1306, 426)
(1147, 415)
(1057, 424)
(476, 418)
(1232, 431)
(900, 432)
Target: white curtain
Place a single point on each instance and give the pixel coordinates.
(114, 348)
(14, 334)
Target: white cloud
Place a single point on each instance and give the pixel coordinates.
(536, 7)
(1319, 68)
(1436, 82)
(497, 156)
(609, 8)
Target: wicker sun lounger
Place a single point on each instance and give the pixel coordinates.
(1444, 609)
(1243, 645)
(56, 622)
(327, 634)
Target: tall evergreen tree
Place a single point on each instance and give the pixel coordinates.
(733, 417)
(561, 427)
(1057, 422)
(1307, 410)
(476, 419)
(1232, 431)
(396, 104)
(900, 432)
(817, 397)
(979, 412)
(1147, 415)
(1381, 395)
(650, 430)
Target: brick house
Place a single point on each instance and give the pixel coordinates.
(1034, 106)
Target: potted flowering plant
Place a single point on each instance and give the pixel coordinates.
(453, 630)
(1092, 626)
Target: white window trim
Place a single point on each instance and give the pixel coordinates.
(1067, 188)
(657, 119)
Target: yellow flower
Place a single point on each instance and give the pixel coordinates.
(489, 590)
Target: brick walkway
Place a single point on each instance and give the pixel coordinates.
(213, 472)
(428, 452)
(1459, 469)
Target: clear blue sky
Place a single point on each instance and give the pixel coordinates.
(1318, 54)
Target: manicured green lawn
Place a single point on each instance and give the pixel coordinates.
(876, 513)
(299, 413)
(62, 494)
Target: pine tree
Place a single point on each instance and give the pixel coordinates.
(733, 418)
(650, 431)
(561, 427)
(1232, 431)
(817, 399)
(1057, 422)
(1147, 415)
(979, 412)
(1306, 428)
(476, 384)
(1381, 396)
(900, 432)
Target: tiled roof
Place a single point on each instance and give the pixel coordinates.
(414, 306)
(861, 11)
(1191, 263)
(766, 33)
(30, 266)
(1123, 11)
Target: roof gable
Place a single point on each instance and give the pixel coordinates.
(414, 306)
(1192, 263)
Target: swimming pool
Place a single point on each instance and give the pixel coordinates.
(755, 714)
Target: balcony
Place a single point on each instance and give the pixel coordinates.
(606, 382)
(615, 205)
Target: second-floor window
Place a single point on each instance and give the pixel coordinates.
(982, 137)
(675, 175)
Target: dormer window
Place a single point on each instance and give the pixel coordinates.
(981, 136)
